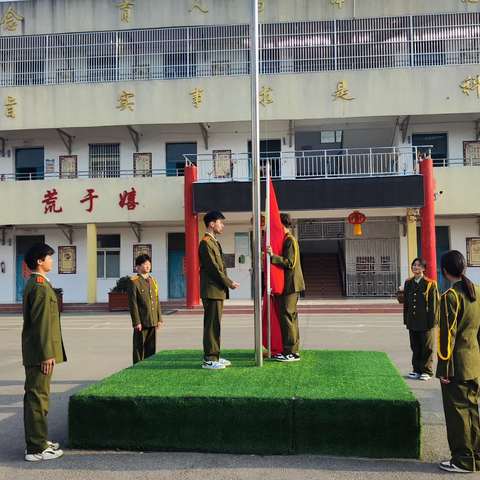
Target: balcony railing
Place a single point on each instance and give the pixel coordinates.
(338, 163)
(108, 173)
(223, 50)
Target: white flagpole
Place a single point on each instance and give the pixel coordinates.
(257, 247)
(268, 266)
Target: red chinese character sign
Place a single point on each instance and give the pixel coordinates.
(50, 202)
(89, 197)
(128, 199)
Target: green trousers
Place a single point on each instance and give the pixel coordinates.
(35, 409)
(460, 404)
(422, 344)
(289, 323)
(212, 316)
(144, 343)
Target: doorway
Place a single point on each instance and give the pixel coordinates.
(176, 261)
(29, 163)
(23, 243)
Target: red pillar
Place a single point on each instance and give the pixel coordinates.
(429, 246)
(192, 267)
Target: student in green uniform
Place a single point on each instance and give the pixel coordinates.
(420, 316)
(42, 349)
(214, 285)
(144, 309)
(294, 285)
(459, 365)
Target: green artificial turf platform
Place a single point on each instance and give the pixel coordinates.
(331, 402)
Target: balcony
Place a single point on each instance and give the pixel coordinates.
(223, 50)
(321, 164)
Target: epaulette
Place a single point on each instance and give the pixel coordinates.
(207, 237)
(40, 279)
(134, 277)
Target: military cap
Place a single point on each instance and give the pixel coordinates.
(212, 216)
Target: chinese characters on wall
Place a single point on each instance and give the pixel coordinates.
(51, 202)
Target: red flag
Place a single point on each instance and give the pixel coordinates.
(277, 235)
(277, 278)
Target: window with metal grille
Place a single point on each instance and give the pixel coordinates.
(104, 160)
(202, 51)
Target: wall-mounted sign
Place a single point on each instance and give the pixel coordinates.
(67, 260)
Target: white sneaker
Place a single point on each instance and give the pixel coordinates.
(448, 466)
(425, 377)
(211, 365)
(413, 375)
(52, 445)
(224, 361)
(47, 454)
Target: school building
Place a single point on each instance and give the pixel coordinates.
(104, 102)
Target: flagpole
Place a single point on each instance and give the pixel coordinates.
(268, 285)
(257, 271)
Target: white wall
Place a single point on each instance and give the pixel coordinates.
(460, 230)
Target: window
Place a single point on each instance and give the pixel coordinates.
(438, 143)
(365, 264)
(104, 160)
(108, 256)
(175, 157)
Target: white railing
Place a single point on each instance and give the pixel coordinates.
(457, 162)
(337, 163)
(204, 51)
(96, 173)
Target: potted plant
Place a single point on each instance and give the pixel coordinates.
(59, 294)
(118, 297)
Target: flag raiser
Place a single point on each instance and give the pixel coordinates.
(274, 277)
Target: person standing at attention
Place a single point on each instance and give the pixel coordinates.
(458, 365)
(214, 286)
(144, 307)
(42, 350)
(420, 316)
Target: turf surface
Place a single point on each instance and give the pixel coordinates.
(335, 402)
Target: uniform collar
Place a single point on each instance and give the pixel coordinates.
(41, 275)
(211, 235)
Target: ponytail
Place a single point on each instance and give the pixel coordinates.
(469, 288)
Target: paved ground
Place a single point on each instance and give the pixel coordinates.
(98, 345)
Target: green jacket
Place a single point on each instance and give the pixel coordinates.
(459, 335)
(290, 261)
(143, 302)
(214, 282)
(420, 307)
(42, 333)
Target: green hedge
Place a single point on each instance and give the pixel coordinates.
(332, 402)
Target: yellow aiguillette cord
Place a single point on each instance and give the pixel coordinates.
(449, 327)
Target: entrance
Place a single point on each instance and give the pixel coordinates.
(322, 248)
(176, 259)
(29, 164)
(372, 261)
(22, 273)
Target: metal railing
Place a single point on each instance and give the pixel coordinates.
(35, 176)
(337, 163)
(223, 50)
(457, 162)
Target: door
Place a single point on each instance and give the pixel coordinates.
(176, 261)
(22, 273)
(29, 163)
(269, 150)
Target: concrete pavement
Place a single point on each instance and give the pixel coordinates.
(99, 344)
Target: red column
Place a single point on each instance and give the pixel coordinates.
(429, 244)
(192, 267)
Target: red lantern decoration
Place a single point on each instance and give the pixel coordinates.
(356, 219)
